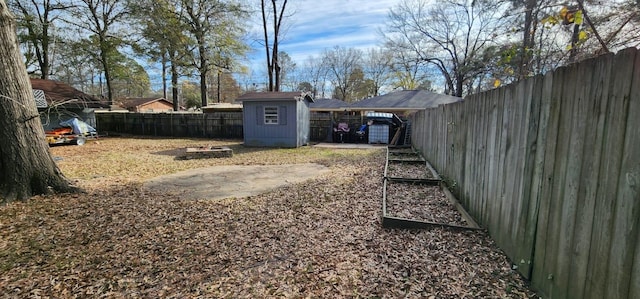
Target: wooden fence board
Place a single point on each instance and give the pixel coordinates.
(562, 219)
(493, 126)
(632, 176)
(542, 274)
(533, 169)
(592, 118)
(504, 113)
(574, 141)
(518, 218)
(506, 186)
(490, 128)
(538, 179)
(521, 118)
(467, 188)
(470, 159)
(627, 205)
(442, 124)
(460, 148)
(479, 162)
(525, 229)
(597, 268)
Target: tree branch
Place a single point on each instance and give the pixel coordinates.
(593, 27)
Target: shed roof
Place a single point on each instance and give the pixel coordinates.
(404, 100)
(275, 96)
(64, 95)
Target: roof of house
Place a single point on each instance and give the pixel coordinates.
(64, 95)
(137, 102)
(222, 107)
(404, 100)
(275, 96)
(328, 105)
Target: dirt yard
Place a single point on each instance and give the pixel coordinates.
(315, 232)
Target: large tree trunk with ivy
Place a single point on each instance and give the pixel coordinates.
(26, 166)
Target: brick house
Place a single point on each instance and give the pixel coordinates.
(147, 105)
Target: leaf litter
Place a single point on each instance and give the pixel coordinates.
(318, 239)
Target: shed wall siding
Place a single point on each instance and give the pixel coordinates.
(257, 133)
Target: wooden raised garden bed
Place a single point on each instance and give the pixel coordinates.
(414, 196)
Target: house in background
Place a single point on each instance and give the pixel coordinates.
(147, 105)
(276, 119)
(57, 102)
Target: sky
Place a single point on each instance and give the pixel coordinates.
(317, 25)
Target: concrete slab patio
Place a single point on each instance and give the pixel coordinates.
(220, 182)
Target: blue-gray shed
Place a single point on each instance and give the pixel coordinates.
(276, 119)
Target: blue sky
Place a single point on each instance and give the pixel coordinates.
(318, 25)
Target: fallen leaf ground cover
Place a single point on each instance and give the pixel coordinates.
(318, 239)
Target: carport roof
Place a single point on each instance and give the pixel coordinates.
(404, 100)
(328, 105)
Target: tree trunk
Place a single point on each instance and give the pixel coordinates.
(266, 46)
(26, 166)
(274, 54)
(104, 56)
(528, 39)
(174, 80)
(164, 76)
(203, 87)
(204, 71)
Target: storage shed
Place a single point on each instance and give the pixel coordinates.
(276, 119)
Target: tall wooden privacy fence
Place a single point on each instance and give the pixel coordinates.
(220, 124)
(207, 125)
(551, 167)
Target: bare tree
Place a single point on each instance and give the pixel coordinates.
(377, 66)
(341, 63)
(406, 71)
(271, 48)
(26, 166)
(315, 73)
(448, 35)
